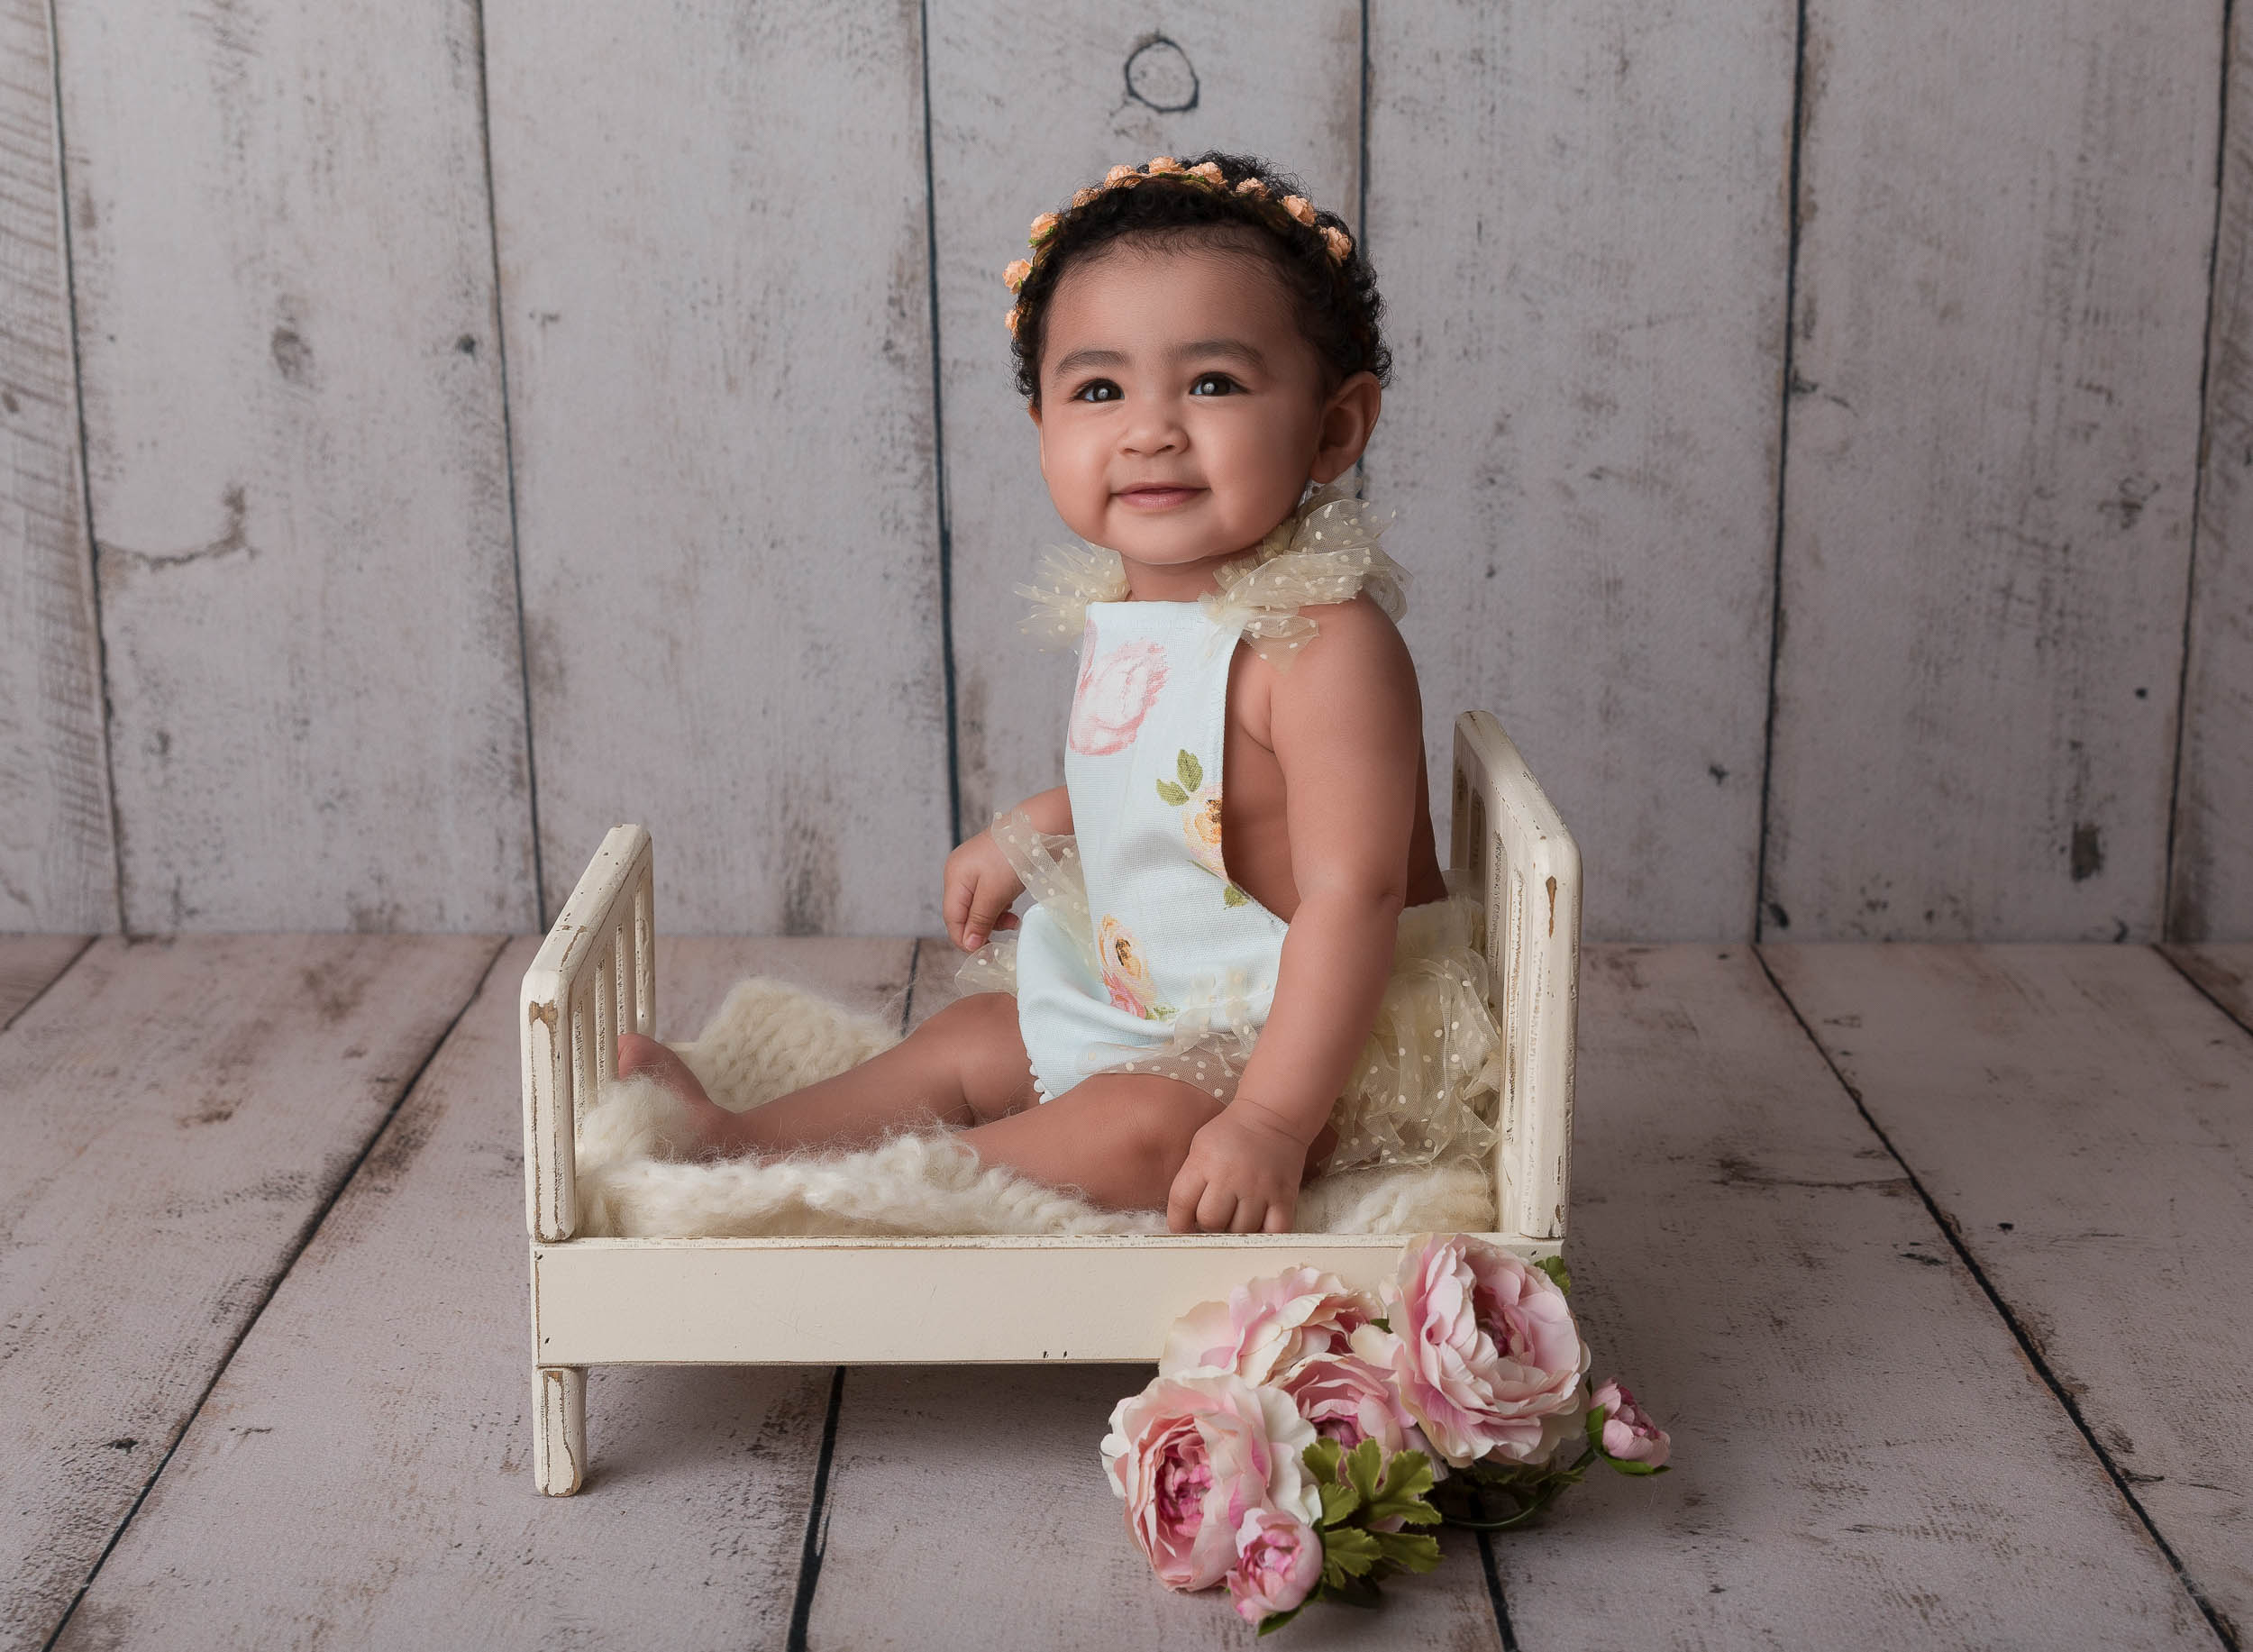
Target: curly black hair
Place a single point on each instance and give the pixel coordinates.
(1334, 299)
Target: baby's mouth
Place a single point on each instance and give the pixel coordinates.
(1157, 496)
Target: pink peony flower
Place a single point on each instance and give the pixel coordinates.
(1278, 1561)
(1115, 693)
(1349, 1399)
(1200, 828)
(1192, 1456)
(1484, 1349)
(1629, 1436)
(1267, 1325)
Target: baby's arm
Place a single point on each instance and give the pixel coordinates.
(1346, 722)
(979, 884)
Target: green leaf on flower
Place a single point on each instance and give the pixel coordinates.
(1553, 1266)
(1596, 1415)
(1365, 1464)
(1321, 1458)
(1232, 896)
(1191, 772)
(1168, 792)
(1409, 1551)
(1407, 1477)
(1350, 1550)
(1338, 1502)
(1276, 1620)
(1625, 1467)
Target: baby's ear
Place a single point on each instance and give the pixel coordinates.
(1347, 418)
(1033, 411)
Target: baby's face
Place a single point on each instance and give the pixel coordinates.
(1180, 410)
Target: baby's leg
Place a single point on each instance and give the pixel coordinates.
(964, 1065)
(1119, 1138)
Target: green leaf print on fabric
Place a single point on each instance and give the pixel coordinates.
(1200, 828)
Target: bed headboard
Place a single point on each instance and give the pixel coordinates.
(595, 978)
(1508, 840)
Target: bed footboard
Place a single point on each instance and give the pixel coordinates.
(595, 978)
(1510, 841)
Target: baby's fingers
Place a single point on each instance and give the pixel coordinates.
(1181, 1200)
(988, 902)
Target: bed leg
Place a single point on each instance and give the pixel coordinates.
(559, 1428)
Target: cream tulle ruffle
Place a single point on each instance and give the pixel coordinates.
(1324, 552)
(1426, 1086)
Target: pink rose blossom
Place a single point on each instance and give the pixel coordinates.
(1114, 694)
(1349, 1399)
(1629, 1436)
(1267, 1325)
(1278, 1561)
(1483, 1349)
(1193, 1455)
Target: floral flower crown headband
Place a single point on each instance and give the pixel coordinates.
(1207, 176)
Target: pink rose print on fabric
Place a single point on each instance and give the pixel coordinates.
(1115, 693)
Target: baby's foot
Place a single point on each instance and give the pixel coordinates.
(714, 1125)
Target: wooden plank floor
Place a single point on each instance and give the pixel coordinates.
(1900, 1420)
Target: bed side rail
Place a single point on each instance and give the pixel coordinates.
(1509, 838)
(595, 977)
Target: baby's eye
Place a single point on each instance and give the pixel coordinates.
(1098, 391)
(1214, 384)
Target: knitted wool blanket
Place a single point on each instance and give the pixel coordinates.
(639, 1177)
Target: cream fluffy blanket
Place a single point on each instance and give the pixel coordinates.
(770, 1037)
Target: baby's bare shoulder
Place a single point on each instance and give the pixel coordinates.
(1356, 645)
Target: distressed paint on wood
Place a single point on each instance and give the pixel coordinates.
(2001, 282)
(715, 286)
(1030, 101)
(1862, 1454)
(29, 964)
(2083, 1117)
(2210, 896)
(936, 1465)
(177, 1112)
(2223, 972)
(1575, 215)
(264, 1531)
(57, 858)
(299, 487)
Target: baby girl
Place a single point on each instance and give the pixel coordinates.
(1220, 986)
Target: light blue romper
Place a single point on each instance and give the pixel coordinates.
(1181, 952)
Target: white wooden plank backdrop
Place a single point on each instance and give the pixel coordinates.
(1754, 1264)
(2210, 894)
(1574, 214)
(264, 1531)
(711, 352)
(716, 279)
(293, 429)
(2114, 1233)
(1087, 84)
(2005, 219)
(58, 861)
(179, 1113)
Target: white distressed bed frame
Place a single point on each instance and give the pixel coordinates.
(988, 1298)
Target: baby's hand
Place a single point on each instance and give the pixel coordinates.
(979, 887)
(1242, 1174)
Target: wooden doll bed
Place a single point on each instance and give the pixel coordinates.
(990, 1298)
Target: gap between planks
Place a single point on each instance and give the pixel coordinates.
(1996, 1076)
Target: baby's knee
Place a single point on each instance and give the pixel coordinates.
(1159, 1118)
(981, 1038)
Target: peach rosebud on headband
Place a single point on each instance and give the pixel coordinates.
(1339, 243)
(1253, 187)
(1083, 197)
(1013, 278)
(1210, 172)
(1011, 318)
(1117, 176)
(1043, 226)
(1300, 207)
(1163, 163)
